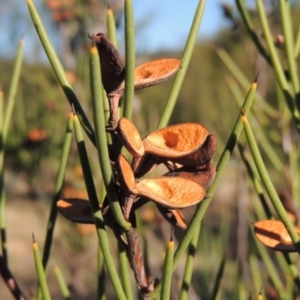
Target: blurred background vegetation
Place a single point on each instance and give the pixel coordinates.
(37, 130)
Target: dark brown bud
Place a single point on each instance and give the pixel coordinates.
(112, 66)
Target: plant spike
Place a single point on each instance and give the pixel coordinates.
(101, 140)
(167, 270)
(187, 54)
(268, 183)
(59, 71)
(223, 161)
(62, 283)
(40, 270)
(97, 214)
(189, 265)
(129, 58)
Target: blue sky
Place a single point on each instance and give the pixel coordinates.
(171, 21)
(160, 25)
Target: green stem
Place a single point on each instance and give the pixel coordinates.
(62, 284)
(59, 71)
(278, 70)
(167, 271)
(224, 159)
(2, 189)
(40, 271)
(101, 276)
(98, 217)
(58, 188)
(111, 27)
(129, 58)
(268, 183)
(187, 54)
(244, 82)
(287, 31)
(189, 266)
(13, 89)
(101, 141)
(252, 31)
(125, 272)
(218, 279)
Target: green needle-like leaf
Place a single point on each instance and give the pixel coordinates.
(59, 71)
(167, 271)
(98, 217)
(268, 183)
(40, 271)
(62, 284)
(101, 141)
(129, 58)
(187, 54)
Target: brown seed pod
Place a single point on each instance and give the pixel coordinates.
(202, 155)
(175, 141)
(130, 137)
(172, 192)
(273, 234)
(155, 72)
(128, 183)
(173, 216)
(112, 66)
(76, 210)
(144, 165)
(203, 176)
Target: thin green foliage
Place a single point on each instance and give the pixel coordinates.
(58, 70)
(101, 141)
(165, 291)
(62, 283)
(40, 271)
(98, 217)
(268, 184)
(186, 57)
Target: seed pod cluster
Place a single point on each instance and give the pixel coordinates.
(186, 149)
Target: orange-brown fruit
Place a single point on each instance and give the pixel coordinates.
(172, 192)
(273, 234)
(203, 176)
(112, 66)
(175, 141)
(173, 216)
(130, 137)
(76, 210)
(128, 183)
